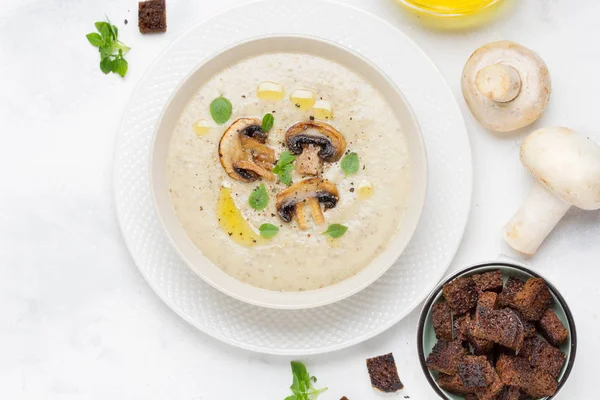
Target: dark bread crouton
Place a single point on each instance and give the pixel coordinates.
(453, 384)
(509, 393)
(459, 325)
(152, 16)
(487, 300)
(491, 392)
(384, 373)
(552, 328)
(461, 295)
(488, 281)
(533, 299)
(463, 330)
(471, 396)
(480, 346)
(445, 356)
(442, 321)
(516, 371)
(529, 329)
(500, 326)
(512, 287)
(476, 371)
(542, 385)
(543, 355)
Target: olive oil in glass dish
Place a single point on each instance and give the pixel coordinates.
(454, 13)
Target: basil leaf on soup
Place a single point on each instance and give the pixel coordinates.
(268, 230)
(284, 167)
(259, 198)
(336, 230)
(220, 110)
(350, 163)
(267, 122)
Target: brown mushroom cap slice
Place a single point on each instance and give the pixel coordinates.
(243, 152)
(507, 86)
(314, 142)
(290, 200)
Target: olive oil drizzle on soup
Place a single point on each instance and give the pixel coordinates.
(372, 202)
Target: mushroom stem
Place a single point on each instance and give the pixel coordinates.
(309, 162)
(315, 208)
(536, 218)
(301, 216)
(499, 83)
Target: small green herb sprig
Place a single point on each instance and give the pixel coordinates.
(302, 385)
(350, 163)
(259, 198)
(110, 47)
(268, 230)
(336, 230)
(220, 110)
(284, 167)
(267, 122)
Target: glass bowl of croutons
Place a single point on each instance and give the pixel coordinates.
(496, 330)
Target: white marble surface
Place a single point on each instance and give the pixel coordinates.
(77, 321)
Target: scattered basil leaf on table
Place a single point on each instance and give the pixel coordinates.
(220, 110)
(259, 198)
(267, 122)
(110, 48)
(350, 163)
(268, 230)
(284, 167)
(95, 39)
(302, 384)
(336, 230)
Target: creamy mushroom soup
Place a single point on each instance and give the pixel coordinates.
(333, 170)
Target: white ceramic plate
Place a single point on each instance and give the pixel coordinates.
(214, 275)
(384, 302)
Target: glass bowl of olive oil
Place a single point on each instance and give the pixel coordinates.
(454, 13)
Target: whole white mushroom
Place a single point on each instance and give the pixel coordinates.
(567, 167)
(506, 86)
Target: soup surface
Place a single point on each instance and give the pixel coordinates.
(214, 209)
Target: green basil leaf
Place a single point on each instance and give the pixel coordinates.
(284, 167)
(106, 65)
(121, 67)
(285, 175)
(336, 230)
(299, 373)
(106, 51)
(350, 163)
(302, 384)
(95, 39)
(267, 122)
(105, 30)
(268, 230)
(115, 31)
(121, 47)
(259, 198)
(286, 158)
(220, 110)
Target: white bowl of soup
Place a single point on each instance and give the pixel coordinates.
(301, 208)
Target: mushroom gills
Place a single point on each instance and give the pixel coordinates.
(243, 151)
(314, 143)
(312, 192)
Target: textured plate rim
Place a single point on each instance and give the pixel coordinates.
(360, 338)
